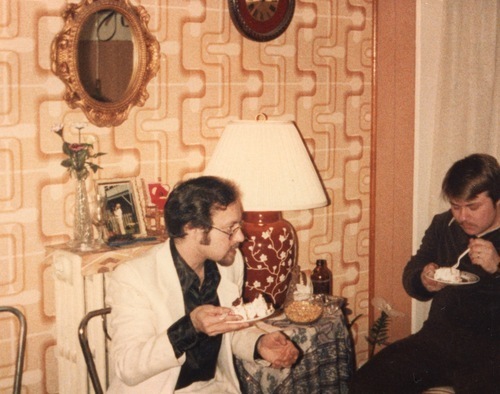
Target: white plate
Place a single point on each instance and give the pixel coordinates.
(467, 279)
(251, 320)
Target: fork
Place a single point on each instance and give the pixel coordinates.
(460, 258)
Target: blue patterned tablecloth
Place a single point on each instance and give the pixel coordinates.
(325, 366)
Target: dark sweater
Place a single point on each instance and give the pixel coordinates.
(473, 310)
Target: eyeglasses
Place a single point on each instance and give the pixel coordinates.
(231, 233)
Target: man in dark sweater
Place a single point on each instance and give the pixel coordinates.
(459, 344)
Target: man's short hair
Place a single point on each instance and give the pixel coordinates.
(194, 202)
(471, 176)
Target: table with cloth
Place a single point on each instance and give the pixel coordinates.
(325, 365)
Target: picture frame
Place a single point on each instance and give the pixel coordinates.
(123, 214)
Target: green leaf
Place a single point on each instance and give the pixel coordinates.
(94, 167)
(66, 149)
(67, 163)
(379, 332)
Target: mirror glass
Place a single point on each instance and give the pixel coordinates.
(106, 55)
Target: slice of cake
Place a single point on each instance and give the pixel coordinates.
(448, 274)
(252, 310)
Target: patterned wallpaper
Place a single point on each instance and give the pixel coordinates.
(317, 74)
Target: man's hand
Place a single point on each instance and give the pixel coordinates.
(213, 320)
(426, 275)
(484, 254)
(276, 348)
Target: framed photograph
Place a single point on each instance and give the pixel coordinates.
(123, 214)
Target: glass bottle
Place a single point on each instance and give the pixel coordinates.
(321, 278)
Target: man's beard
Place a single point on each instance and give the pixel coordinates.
(228, 259)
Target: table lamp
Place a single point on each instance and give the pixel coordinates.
(270, 163)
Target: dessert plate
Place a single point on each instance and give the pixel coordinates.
(467, 278)
(252, 320)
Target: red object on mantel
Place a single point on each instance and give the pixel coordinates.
(158, 193)
(269, 250)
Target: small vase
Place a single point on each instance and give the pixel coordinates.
(83, 233)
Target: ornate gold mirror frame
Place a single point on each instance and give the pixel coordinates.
(65, 60)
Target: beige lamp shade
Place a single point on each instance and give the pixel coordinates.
(271, 165)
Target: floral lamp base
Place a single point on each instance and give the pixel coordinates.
(269, 251)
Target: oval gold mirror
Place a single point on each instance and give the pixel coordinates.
(105, 55)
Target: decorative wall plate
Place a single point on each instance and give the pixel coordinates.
(261, 20)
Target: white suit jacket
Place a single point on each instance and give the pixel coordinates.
(146, 299)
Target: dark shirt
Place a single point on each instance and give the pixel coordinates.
(201, 350)
(474, 309)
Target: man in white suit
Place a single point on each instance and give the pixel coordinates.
(171, 322)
